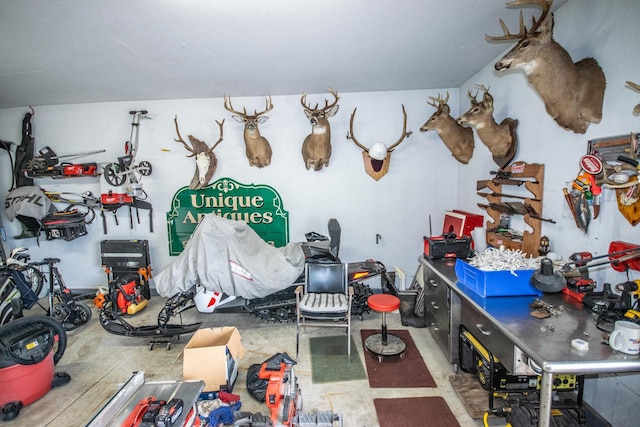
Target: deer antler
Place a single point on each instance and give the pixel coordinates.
(405, 134)
(351, 136)
(635, 86)
(439, 101)
(303, 101)
(180, 140)
(472, 98)
(544, 4)
(268, 107)
(229, 107)
(220, 124)
(483, 88)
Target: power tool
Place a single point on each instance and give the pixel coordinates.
(282, 391)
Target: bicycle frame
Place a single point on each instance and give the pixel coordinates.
(62, 305)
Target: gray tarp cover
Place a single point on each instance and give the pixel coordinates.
(228, 256)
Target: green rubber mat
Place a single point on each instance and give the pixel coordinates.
(330, 362)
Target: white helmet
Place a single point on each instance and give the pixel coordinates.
(378, 151)
(18, 256)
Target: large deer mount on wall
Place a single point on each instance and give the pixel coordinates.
(377, 158)
(316, 148)
(572, 93)
(206, 161)
(635, 86)
(500, 139)
(257, 147)
(458, 139)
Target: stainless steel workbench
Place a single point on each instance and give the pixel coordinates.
(545, 341)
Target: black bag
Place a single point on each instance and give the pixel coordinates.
(256, 386)
(29, 298)
(67, 225)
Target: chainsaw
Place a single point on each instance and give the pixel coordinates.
(284, 402)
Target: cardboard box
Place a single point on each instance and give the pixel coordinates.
(212, 355)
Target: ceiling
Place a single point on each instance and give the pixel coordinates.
(77, 51)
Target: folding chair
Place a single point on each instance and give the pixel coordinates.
(324, 300)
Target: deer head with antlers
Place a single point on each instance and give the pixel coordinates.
(458, 139)
(206, 161)
(316, 148)
(257, 147)
(376, 159)
(572, 93)
(501, 138)
(635, 86)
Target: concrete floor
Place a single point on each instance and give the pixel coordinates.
(99, 362)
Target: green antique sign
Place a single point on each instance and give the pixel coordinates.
(260, 206)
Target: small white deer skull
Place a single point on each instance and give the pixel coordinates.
(206, 161)
(377, 158)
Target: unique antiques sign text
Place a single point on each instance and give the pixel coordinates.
(260, 206)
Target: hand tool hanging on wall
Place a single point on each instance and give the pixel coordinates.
(579, 209)
(587, 183)
(24, 153)
(111, 202)
(47, 164)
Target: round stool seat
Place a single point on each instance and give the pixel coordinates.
(382, 343)
(384, 303)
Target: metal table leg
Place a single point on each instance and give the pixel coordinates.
(544, 415)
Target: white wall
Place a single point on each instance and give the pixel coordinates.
(609, 32)
(422, 179)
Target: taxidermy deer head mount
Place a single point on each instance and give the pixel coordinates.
(316, 148)
(376, 159)
(635, 86)
(257, 147)
(206, 161)
(458, 139)
(572, 93)
(499, 138)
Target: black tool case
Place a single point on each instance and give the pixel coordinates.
(125, 255)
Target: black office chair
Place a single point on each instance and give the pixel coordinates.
(324, 300)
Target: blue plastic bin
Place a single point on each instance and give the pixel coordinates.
(495, 283)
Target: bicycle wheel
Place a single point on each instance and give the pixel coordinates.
(34, 277)
(113, 176)
(72, 317)
(144, 168)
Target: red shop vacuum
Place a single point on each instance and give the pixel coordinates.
(30, 347)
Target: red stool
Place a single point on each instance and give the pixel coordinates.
(382, 343)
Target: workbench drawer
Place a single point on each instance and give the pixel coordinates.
(438, 313)
(492, 339)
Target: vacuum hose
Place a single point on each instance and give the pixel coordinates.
(27, 322)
